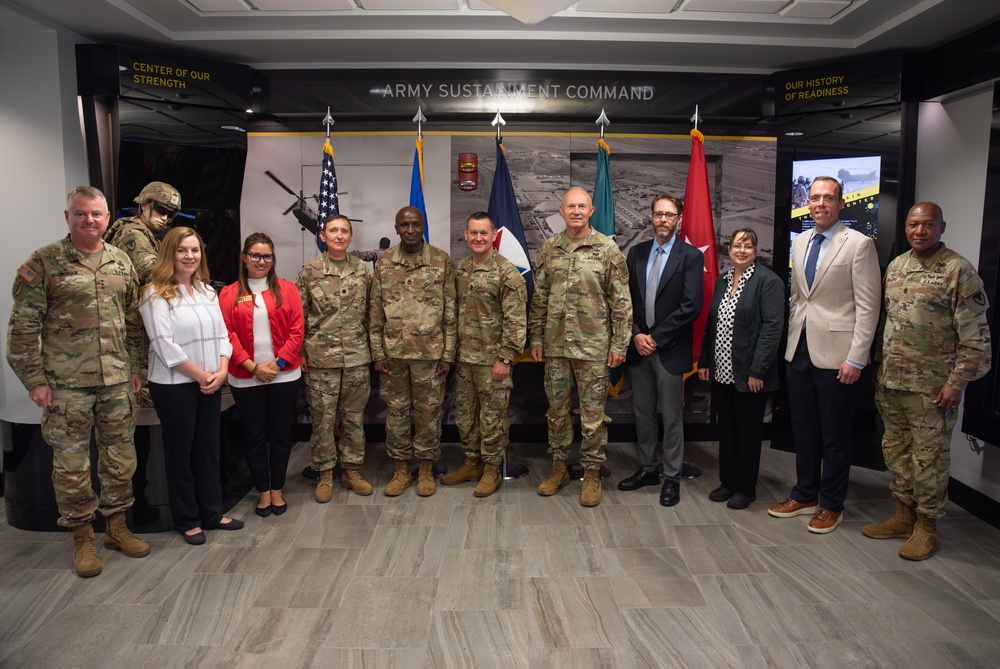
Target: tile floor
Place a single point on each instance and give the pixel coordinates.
(514, 580)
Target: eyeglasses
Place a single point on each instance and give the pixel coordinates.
(742, 247)
(164, 211)
(666, 215)
(258, 257)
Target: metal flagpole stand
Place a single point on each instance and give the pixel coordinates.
(689, 471)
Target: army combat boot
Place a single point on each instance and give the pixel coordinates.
(85, 559)
(425, 479)
(469, 471)
(557, 479)
(900, 526)
(324, 488)
(118, 537)
(351, 479)
(401, 479)
(924, 540)
(490, 481)
(591, 493)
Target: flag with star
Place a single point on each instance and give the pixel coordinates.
(699, 230)
(328, 203)
(417, 184)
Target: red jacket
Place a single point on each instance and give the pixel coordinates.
(287, 326)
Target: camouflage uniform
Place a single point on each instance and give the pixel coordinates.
(90, 334)
(413, 326)
(580, 312)
(335, 303)
(935, 332)
(491, 325)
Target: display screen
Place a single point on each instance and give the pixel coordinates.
(860, 180)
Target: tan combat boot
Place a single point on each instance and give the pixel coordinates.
(352, 480)
(425, 479)
(85, 559)
(557, 479)
(118, 537)
(324, 488)
(591, 493)
(900, 526)
(401, 479)
(490, 481)
(923, 542)
(469, 471)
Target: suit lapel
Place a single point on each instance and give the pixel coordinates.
(641, 258)
(670, 266)
(836, 246)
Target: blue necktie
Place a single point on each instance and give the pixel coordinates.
(652, 281)
(811, 261)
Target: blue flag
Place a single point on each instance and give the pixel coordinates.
(328, 203)
(510, 241)
(417, 184)
(603, 219)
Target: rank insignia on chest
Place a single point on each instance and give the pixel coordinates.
(27, 273)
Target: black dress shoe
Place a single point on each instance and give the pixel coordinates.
(233, 524)
(720, 494)
(278, 510)
(263, 511)
(670, 494)
(640, 479)
(740, 501)
(196, 539)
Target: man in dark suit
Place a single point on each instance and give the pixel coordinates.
(660, 352)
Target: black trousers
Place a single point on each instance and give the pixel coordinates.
(823, 424)
(190, 423)
(266, 415)
(741, 428)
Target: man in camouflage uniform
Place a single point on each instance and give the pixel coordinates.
(491, 331)
(936, 339)
(581, 320)
(78, 297)
(335, 356)
(413, 322)
(138, 237)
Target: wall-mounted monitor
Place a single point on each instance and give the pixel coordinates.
(860, 179)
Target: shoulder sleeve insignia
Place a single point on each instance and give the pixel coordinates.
(27, 274)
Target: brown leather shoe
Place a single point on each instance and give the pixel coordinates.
(790, 508)
(825, 521)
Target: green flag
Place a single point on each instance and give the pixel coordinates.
(603, 219)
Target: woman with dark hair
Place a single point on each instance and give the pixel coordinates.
(263, 314)
(739, 353)
(188, 361)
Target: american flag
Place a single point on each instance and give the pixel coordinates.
(328, 203)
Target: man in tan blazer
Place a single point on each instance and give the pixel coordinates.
(834, 313)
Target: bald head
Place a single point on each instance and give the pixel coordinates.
(576, 209)
(410, 228)
(924, 225)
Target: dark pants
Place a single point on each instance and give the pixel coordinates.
(741, 428)
(190, 423)
(266, 415)
(822, 423)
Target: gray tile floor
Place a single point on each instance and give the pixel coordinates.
(514, 580)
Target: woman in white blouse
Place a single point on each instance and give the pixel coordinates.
(189, 353)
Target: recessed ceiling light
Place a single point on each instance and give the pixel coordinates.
(793, 133)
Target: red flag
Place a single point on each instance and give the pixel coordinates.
(699, 231)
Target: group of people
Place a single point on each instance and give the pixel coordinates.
(88, 306)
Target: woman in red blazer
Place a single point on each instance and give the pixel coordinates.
(263, 314)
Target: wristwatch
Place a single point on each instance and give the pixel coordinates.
(281, 363)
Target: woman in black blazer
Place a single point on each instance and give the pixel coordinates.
(739, 353)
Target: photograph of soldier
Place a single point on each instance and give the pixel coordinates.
(139, 237)
(75, 343)
(413, 322)
(492, 326)
(935, 340)
(580, 325)
(335, 287)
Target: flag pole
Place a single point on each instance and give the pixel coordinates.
(328, 122)
(499, 123)
(602, 121)
(419, 120)
(696, 119)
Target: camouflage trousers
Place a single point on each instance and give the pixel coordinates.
(331, 390)
(481, 412)
(592, 387)
(413, 383)
(917, 448)
(66, 426)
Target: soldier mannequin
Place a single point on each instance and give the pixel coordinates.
(413, 321)
(334, 289)
(580, 323)
(936, 339)
(491, 331)
(79, 298)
